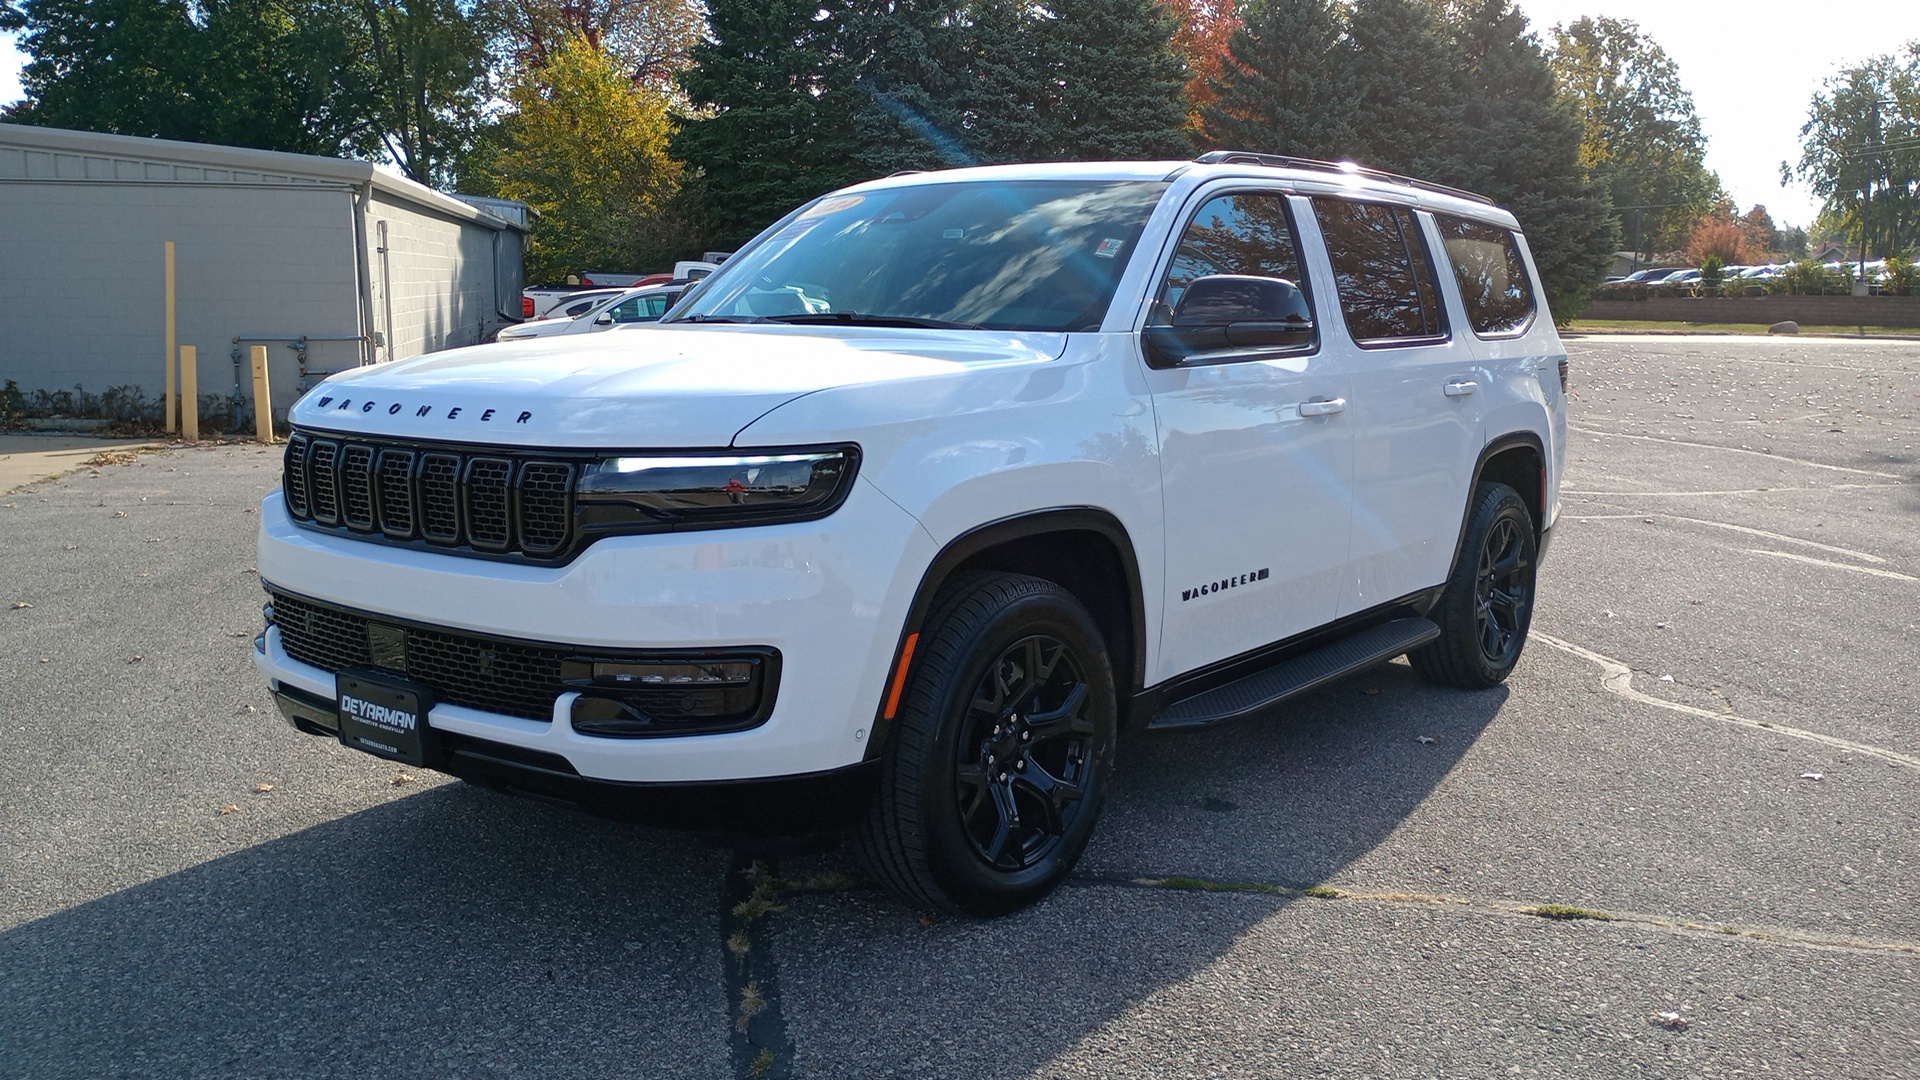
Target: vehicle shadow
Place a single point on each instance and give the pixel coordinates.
(1292, 798)
(459, 932)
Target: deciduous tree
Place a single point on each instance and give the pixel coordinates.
(1642, 137)
(588, 151)
(1863, 129)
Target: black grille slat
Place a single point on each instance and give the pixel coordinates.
(488, 526)
(492, 501)
(440, 498)
(356, 487)
(546, 495)
(395, 474)
(294, 481)
(323, 481)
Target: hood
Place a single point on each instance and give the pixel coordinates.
(640, 386)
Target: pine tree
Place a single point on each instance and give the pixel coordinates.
(1518, 143)
(1281, 91)
(1402, 83)
(779, 101)
(1076, 80)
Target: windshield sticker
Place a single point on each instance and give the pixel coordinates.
(833, 205)
(1108, 248)
(954, 234)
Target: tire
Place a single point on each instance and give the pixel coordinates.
(986, 802)
(1488, 603)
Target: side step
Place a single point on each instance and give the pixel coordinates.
(1291, 678)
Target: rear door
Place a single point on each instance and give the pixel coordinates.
(1415, 404)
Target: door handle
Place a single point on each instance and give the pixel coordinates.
(1323, 406)
(1460, 387)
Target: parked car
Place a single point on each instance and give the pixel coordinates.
(645, 304)
(1652, 274)
(554, 301)
(943, 485)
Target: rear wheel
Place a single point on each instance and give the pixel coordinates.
(1488, 604)
(1001, 752)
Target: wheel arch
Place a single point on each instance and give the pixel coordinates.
(1083, 549)
(1517, 459)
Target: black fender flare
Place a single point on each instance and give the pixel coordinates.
(1493, 449)
(1061, 519)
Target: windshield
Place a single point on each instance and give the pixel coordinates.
(1027, 255)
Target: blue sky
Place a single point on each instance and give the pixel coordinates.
(1751, 67)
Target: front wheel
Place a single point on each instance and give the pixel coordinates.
(1001, 752)
(1488, 603)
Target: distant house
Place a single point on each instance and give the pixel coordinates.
(1829, 251)
(330, 263)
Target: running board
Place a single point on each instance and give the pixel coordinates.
(1269, 686)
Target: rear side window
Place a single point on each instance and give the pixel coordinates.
(1383, 271)
(1493, 277)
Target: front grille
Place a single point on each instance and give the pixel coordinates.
(492, 502)
(524, 678)
(516, 679)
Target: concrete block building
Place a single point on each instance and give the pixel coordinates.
(329, 263)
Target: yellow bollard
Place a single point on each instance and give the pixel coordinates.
(190, 393)
(262, 397)
(172, 411)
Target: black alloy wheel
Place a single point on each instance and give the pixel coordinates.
(993, 773)
(1488, 603)
(1024, 753)
(1503, 593)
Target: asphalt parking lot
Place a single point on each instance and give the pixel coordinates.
(1711, 750)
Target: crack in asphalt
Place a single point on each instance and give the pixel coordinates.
(761, 1049)
(1513, 909)
(1617, 679)
(1747, 529)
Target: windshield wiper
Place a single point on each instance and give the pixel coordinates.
(854, 318)
(713, 319)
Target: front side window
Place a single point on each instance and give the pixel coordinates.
(1246, 233)
(1020, 255)
(1383, 272)
(1493, 277)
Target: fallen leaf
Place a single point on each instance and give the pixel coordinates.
(18, 604)
(137, 657)
(46, 659)
(1670, 1020)
(1648, 521)
(73, 547)
(1426, 740)
(926, 920)
(263, 788)
(401, 778)
(1666, 678)
(1813, 776)
(230, 808)
(119, 513)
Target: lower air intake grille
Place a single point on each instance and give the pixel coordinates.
(481, 673)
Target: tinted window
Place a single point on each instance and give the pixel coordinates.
(1382, 270)
(1245, 233)
(1493, 278)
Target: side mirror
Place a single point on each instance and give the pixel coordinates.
(1231, 313)
(605, 318)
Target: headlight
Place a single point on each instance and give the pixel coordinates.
(704, 491)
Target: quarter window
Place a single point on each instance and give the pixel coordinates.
(1383, 271)
(1246, 233)
(1492, 276)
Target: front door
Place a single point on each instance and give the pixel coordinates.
(1256, 490)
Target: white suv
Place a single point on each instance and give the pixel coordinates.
(937, 488)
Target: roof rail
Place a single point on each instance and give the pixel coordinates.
(1347, 168)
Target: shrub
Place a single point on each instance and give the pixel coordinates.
(1900, 277)
(1712, 272)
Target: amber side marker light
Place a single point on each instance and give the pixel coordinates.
(900, 675)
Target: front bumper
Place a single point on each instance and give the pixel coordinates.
(829, 595)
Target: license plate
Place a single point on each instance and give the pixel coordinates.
(384, 716)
